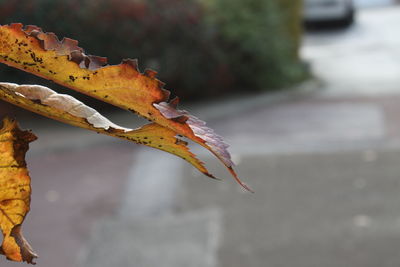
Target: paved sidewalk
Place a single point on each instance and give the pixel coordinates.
(317, 209)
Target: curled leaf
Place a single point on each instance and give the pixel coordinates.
(65, 108)
(15, 191)
(123, 85)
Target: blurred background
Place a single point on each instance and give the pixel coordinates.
(306, 92)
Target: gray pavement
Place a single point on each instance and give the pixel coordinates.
(189, 240)
(324, 164)
(316, 209)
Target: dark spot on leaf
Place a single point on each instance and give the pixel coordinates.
(5, 202)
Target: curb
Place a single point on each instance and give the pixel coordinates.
(212, 110)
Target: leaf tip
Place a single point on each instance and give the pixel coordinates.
(242, 184)
(27, 253)
(211, 176)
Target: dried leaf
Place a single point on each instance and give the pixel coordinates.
(122, 85)
(15, 191)
(67, 109)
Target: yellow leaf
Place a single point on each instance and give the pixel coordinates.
(15, 191)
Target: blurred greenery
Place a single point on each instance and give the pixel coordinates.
(262, 38)
(201, 48)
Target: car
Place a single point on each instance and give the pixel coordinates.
(340, 11)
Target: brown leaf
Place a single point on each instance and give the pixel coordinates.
(15, 191)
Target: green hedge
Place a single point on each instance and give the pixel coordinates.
(200, 48)
(262, 38)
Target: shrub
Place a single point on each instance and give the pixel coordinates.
(263, 38)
